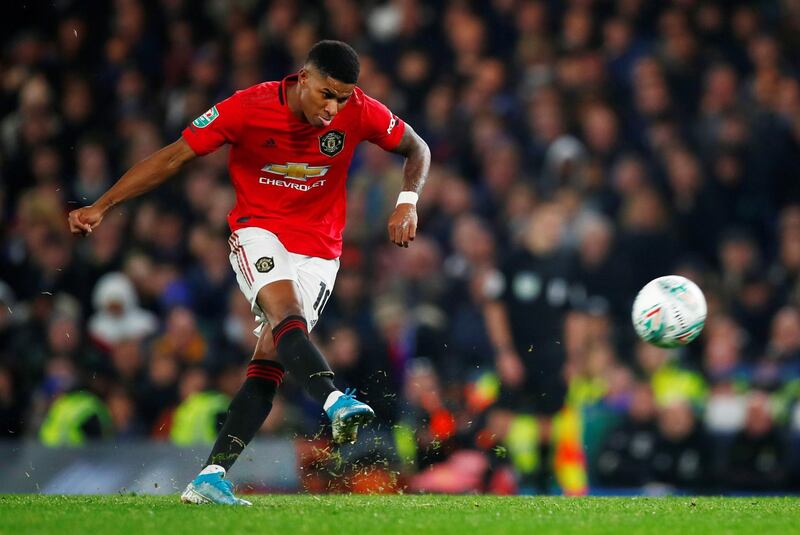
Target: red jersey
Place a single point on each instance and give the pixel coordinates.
(290, 176)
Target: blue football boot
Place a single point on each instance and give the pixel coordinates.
(210, 486)
(346, 415)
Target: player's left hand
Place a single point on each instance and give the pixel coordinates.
(403, 224)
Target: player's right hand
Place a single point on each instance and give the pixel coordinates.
(83, 220)
(510, 368)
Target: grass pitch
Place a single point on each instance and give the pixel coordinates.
(363, 515)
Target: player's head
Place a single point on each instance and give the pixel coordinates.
(327, 80)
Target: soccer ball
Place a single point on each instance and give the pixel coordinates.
(669, 311)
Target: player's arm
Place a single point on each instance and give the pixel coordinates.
(403, 221)
(139, 179)
(507, 361)
(495, 315)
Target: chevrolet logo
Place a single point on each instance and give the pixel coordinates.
(298, 171)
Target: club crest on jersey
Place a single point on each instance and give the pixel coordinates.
(207, 118)
(265, 264)
(331, 143)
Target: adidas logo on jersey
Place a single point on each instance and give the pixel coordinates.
(269, 143)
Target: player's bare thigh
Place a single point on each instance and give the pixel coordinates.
(265, 347)
(278, 300)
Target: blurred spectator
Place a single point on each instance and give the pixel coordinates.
(693, 201)
(209, 281)
(104, 249)
(723, 353)
(601, 267)
(645, 236)
(181, 340)
(756, 460)
(680, 456)
(199, 416)
(624, 458)
(74, 418)
(427, 416)
(159, 393)
(781, 362)
(122, 411)
(237, 327)
(670, 379)
(92, 176)
(118, 316)
(365, 371)
(8, 322)
(371, 195)
(12, 408)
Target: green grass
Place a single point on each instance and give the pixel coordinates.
(368, 515)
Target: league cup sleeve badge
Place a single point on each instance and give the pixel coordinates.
(207, 118)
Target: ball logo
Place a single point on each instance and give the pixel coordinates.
(652, 324)
(331, 143)
(207, 118)
(265, 264)
(669, 311)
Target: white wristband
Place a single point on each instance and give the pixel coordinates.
(407, 197)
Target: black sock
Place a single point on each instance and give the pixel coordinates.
(544, 473)
(247, 411)
(302, 359)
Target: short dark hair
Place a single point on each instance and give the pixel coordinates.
(335, 59)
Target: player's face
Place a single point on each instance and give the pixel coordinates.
(321, 97)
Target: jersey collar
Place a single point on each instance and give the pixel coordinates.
(282, 88)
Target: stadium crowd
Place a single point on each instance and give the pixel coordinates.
(645, 138)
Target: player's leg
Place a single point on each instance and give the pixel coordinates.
(511, 421)
(283, 303)
(546, 382)
(315, 281)
(281, 288)
(246, 413)
(251, 404)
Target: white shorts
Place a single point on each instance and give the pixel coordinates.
(258, 258)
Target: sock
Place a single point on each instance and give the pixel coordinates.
(302, 359)
(544, 473)
(213, 469)
(247, 412)
(333, 397)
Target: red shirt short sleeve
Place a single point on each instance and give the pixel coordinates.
(289, 176)
(379, 125)
(219, 125)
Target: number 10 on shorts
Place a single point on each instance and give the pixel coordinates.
(322, 298)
